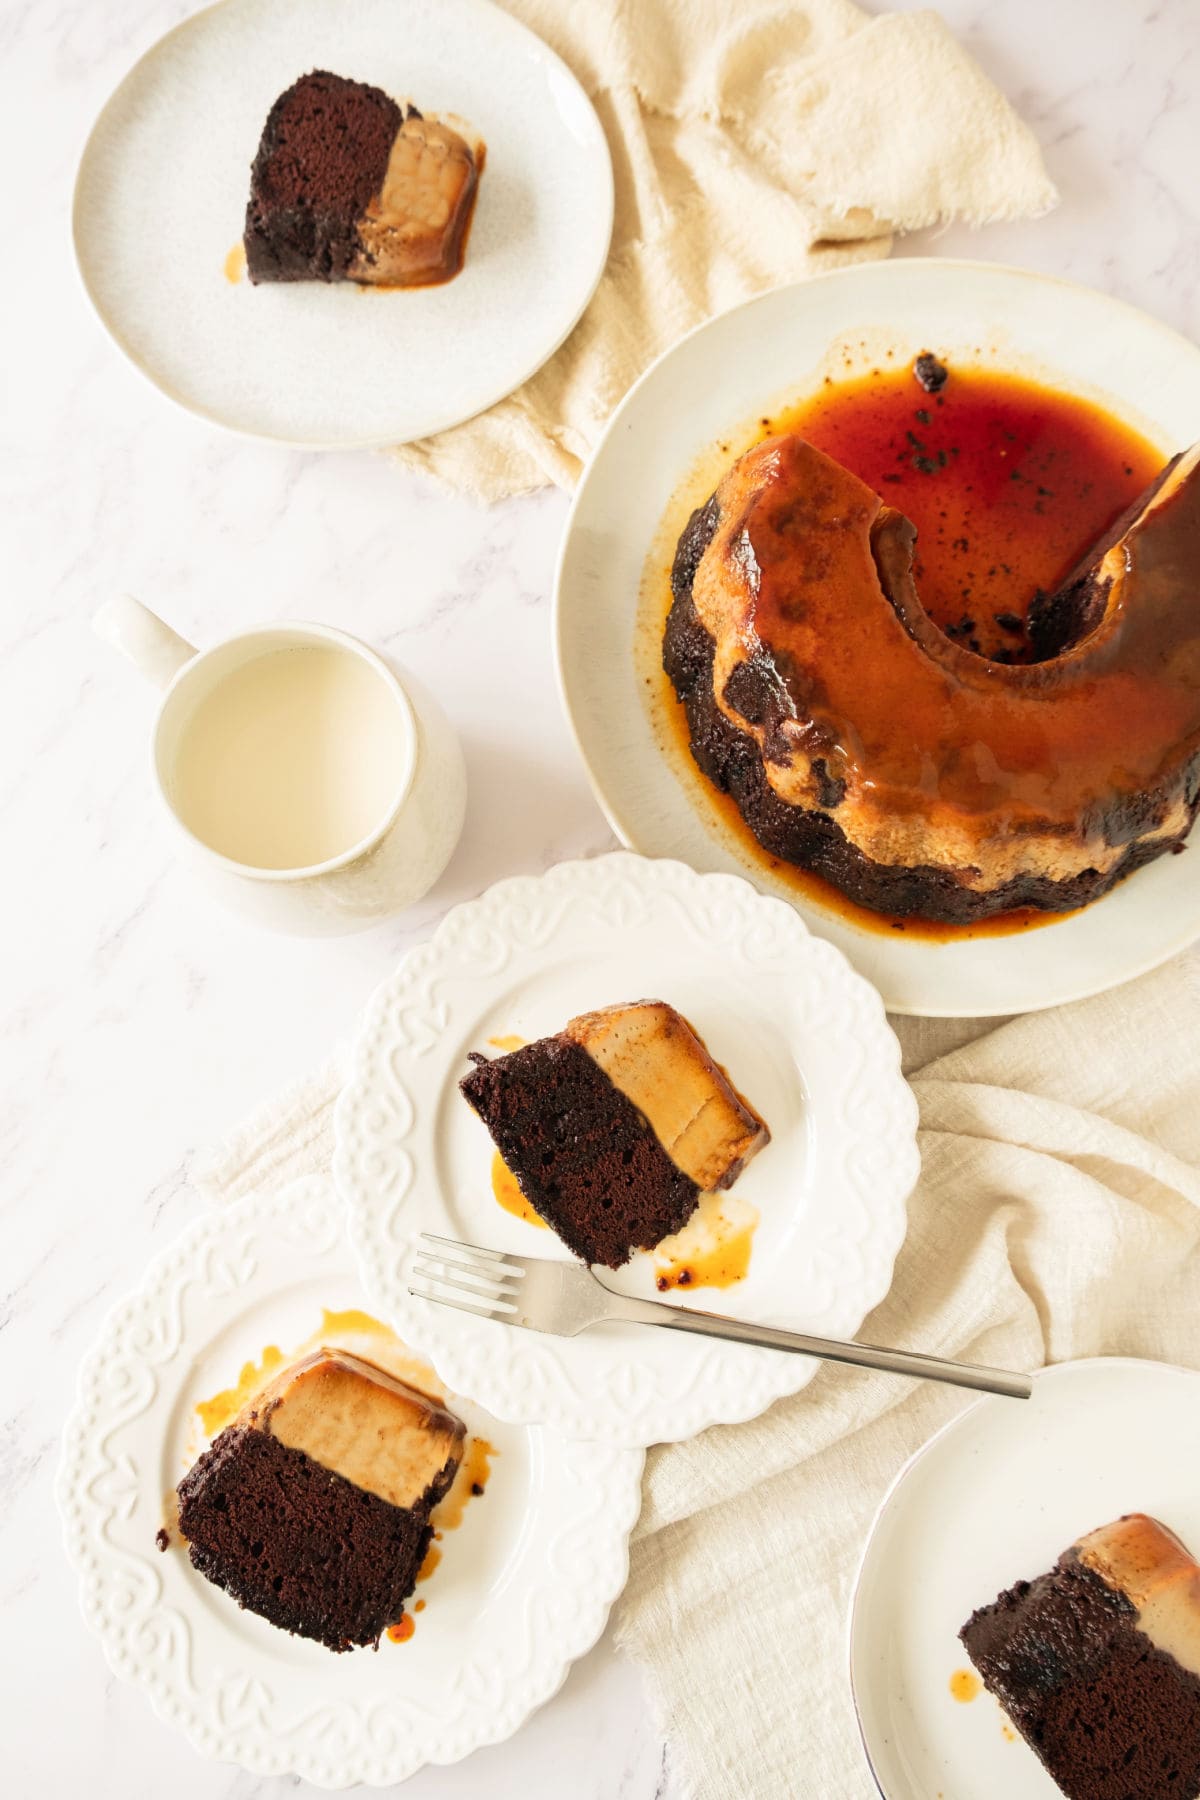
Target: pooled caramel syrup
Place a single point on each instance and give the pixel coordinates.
(1009, 483)
(468, 1484)
(235, 263)
(508, 1194)
(713, 1248)
(965, 1685)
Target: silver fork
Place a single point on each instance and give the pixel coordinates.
(565, 1298)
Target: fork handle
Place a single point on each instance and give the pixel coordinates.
(1009, 1382)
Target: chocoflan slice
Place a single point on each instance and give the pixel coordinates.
(313, 1507)
(615, 1126)
(348, 185)
(1097, 1663)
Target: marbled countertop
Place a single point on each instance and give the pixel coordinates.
(137, 1024)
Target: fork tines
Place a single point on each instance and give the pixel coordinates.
(467, 1276)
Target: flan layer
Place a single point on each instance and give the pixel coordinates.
(312, 1508)
(1083, 1661)
(652, 1054)
(859, 740)
(348, 187)
(615, 1126)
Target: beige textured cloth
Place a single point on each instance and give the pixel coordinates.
(753, 143)
(1057, 1215)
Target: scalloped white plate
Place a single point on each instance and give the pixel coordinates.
(712, 388)
(161, 195)
(995, 1497)
(523, 1588)
(803, 1036)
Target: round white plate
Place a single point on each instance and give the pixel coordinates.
(710, 391)
(803, 1036)
(524, 1586)
(161, 196)
(996, 1497)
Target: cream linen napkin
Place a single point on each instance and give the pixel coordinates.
(1057, 1215)
(752, 144)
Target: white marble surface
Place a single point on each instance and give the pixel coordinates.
(137, 1024)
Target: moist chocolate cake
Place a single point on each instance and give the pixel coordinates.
(348, 185)
(1097, 1664)
(860, 741)
(615, 1126)
(312, 1508)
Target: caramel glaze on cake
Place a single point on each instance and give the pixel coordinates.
(313, 1507)
(1097, 1663)
(860, 741)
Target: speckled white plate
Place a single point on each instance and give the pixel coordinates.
(161, 196)
(524, 1585)
(803, 1036)
(710, 390)
(996, 1497)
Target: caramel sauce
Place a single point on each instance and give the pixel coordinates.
(468, 1484)
(403, 1629)
(455, 250)
(509, 1042)
(1009, 484)
(1010, 1735)
(433, 1557)
(508, 1194)
(712, 1250)
(218, 1412)
(235, 263)
(965, 1685)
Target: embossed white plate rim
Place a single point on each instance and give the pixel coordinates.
(594, 1485)
(586, 1384)
(1138, 926)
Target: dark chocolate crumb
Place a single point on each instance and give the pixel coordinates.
(162, 1537)
(930, 373)
(476, 1488)
(1008, 621)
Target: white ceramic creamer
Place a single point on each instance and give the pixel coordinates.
(309, 786)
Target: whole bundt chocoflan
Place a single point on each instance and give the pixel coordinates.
(860, 742)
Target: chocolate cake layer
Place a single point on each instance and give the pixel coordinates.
(1110, 1714)
(748, 727)
(584, 1156)
(313, 1508)
(323, 156)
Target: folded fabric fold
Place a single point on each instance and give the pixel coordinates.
(752, 145)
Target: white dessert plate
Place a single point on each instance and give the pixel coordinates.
(161, 196)
(994, 1498)
(801, 1035)
(673, 435)
(524, 1585)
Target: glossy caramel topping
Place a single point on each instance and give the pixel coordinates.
(1141, 1559)
(1008, 482)
(656, 1060)
(864, 680)
(361, 1422)
(414, 231)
